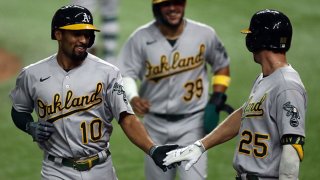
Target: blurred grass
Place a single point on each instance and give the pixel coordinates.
(25, 31)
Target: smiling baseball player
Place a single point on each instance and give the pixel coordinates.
(170, 56)
(76, 95)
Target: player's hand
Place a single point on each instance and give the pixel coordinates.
(218, 99)
(158, 153)
(140, 106)
(40, 131)
(212, 110)
(191, 154)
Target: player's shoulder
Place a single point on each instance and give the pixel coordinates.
(199, 25)
(289, 78)
(144, 30)
(39, 64)
(101, 64)
(203, 30)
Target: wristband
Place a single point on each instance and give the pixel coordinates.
(221, 80)
(200, 145)
(152, 149)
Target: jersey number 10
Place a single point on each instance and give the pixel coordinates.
(92, 129)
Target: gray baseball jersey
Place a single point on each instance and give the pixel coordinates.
(174, 79)
(276, 106)
(81, 103)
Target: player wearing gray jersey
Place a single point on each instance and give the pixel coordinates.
(76, 96)
(271, 124)
(169, 57)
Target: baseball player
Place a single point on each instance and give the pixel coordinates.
(271, 124)
(169, 56)
(108, 10)
(76, 95)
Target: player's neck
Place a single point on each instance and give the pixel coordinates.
(270, 61)
(66, 63)
(172, 33)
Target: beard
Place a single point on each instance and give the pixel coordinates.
(76, 57)
(165, 22)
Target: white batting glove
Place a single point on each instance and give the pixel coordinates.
(191, 154)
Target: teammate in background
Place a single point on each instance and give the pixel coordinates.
(169, 56)
(271, 123)
(108, 9)
(76, 95)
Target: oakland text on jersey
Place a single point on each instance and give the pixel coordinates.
(179, 65)
(253, 109)
(75, 104)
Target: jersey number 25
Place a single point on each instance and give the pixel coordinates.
(259, 147)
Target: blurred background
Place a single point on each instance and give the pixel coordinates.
(25, 32)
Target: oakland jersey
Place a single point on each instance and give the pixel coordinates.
(273, 109)
(174, 79)
(81, 111)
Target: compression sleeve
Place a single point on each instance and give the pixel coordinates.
(21, 119)
(130, 87)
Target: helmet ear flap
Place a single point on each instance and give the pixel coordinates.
(92, 38)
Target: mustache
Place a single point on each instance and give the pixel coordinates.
(81, 45)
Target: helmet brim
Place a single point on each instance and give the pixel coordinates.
(158, 1)
(245, 31)
(80, 27)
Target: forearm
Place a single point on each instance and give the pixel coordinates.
(21, 119)
(225, 131)
(289, 164)
(136, 132)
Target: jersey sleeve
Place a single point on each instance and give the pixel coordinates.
(118, 99)
(130, 59)
(217, 57)
(20, 96)
(291, 109)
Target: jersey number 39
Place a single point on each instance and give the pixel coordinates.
(193, 88)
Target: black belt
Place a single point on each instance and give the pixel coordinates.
(81, 165)
(248, 177)
(175, 117)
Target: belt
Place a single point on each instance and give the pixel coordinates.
(248, 177)
(175, 117)
(81, 165)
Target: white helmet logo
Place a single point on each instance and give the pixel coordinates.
(86, 18)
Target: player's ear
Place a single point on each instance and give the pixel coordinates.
(58, 34)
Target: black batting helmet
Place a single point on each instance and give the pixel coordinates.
(73, 17)
(269, 29)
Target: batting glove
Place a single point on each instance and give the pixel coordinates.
(158, 153)
(191, 154)
(40, 131)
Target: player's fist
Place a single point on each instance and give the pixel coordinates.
(158, 153)
(140, 106)
(218, 99)
(191, 154)
(40, 131)
(212, 110)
